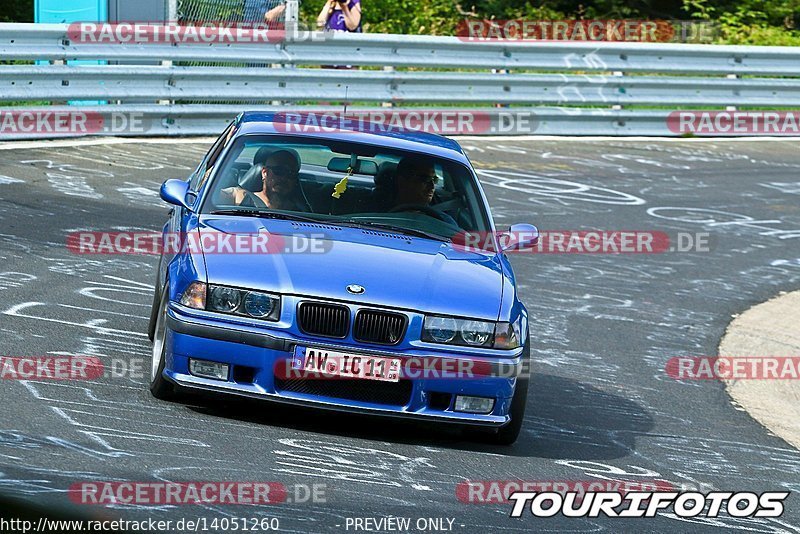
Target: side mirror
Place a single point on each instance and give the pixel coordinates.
(174, 192)
(519, 236)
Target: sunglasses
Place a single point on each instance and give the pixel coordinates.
(426, 178)
(279, 170)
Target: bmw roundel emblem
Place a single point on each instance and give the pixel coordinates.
(355, 289)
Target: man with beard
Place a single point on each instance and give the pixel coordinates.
(280, 185)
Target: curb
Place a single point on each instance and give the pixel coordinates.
(768, 329)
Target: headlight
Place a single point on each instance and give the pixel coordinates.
(457, 331)
(259, 305)
(472, 333)
(224, 299)
(439, 329)
(476, 333)
(242, 302)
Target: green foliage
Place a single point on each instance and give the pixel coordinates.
(751, 21)
(17, 11)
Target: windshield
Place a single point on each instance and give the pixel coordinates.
(349, 184)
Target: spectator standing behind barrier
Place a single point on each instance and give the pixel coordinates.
(276, 14)
(260, 11)
(341, 16)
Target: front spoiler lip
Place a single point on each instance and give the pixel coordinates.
(189, 383)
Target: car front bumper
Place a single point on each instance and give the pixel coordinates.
(259, 353)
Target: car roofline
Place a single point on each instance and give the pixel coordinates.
(414, 141)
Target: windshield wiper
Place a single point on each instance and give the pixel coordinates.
(398, 229)
(268, 215)
(248, 212)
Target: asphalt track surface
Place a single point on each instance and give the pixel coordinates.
(603, 326)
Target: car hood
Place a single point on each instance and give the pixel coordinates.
(396, 270)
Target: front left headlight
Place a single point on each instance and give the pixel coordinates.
(472, 333)
(255, 304)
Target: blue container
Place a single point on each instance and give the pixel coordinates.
(67, 11)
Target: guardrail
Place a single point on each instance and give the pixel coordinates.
(572, 76)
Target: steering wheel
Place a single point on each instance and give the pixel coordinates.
(427, 210)
(251, 200)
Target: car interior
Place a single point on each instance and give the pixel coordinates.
(371, 181)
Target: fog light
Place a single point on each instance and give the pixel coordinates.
(204, 369)
(474, 404)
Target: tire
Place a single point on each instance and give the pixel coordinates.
(508, 434)
(159, 386)
(151, 327)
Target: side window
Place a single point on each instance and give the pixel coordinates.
(207, 166)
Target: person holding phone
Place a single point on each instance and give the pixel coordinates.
(341, 16)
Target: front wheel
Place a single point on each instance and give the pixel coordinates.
(151, 326)
(509, 433)
(159, 386)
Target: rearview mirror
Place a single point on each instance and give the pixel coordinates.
(362, 166)
(174, 192)
(519, 236)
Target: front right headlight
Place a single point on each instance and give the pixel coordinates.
(233, 301)
(224, 299)
(195, 296)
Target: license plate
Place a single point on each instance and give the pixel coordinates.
(340, 364)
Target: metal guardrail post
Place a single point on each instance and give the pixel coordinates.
(172, 11)
(732, 77)
(292, 11)
(292, 28)
(388, 104)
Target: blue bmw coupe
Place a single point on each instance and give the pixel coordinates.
(329, 269)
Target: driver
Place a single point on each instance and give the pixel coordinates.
(281, 185)
(415, 184)
(416, 181)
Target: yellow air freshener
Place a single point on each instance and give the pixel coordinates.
(341, 187)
